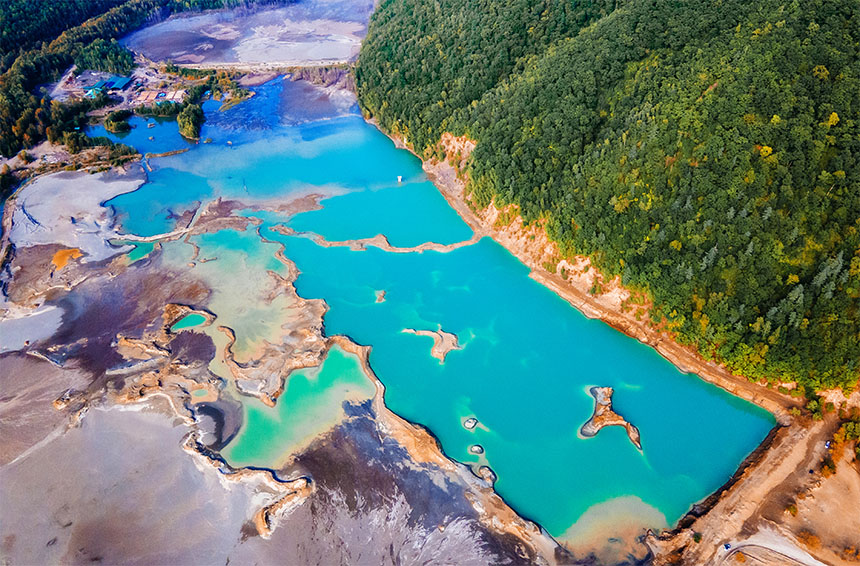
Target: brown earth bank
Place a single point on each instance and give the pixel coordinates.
(785, 507)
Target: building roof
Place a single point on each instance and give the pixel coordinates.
(118, 83)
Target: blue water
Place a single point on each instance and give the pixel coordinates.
(257, 166)
(528, 358)
(164, 133)
(389, 211)
(526, 363)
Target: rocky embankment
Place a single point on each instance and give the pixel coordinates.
(326, 76)
(379, 241)
(604, 416)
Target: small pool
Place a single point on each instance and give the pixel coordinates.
(188, 321)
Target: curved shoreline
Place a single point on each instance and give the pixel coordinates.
(424, 447)
(155, 375)
(730, 498)
(447, 180)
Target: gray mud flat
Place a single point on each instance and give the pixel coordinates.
(65, 208)
(120, 490)
(308, 32)
(373, 505)
(29, 386)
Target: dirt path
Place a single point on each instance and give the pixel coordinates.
(757, 499)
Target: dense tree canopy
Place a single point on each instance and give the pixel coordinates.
(25, 23)
(190, 119)
(707, 151)
(117, 121)
(108, 56)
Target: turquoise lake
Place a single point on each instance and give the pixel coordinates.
(188, 321)
(527, 358)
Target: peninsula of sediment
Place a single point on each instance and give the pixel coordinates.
(443, 342)
(605, 416)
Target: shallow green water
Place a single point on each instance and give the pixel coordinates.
(528, 358)
(188, 321)
(140, 251)
(312, 402)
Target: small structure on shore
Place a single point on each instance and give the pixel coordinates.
(604, 416)
(112, 84)
(160, 97)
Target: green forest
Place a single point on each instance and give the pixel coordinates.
(190, 119)
(706, 151)
(107, 56)
(26, 23)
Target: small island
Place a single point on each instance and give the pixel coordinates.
(604, 416)
(443, 342)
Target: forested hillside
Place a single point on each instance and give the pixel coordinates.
(707, 151)
(107, 56)
(24, 23)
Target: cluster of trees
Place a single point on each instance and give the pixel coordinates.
(707, 152)
(33, 66)
(65, 124)
(190, 119)
(7, 182)
(218, 82)
(105, 55)
(846, 436)
(117, 121)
